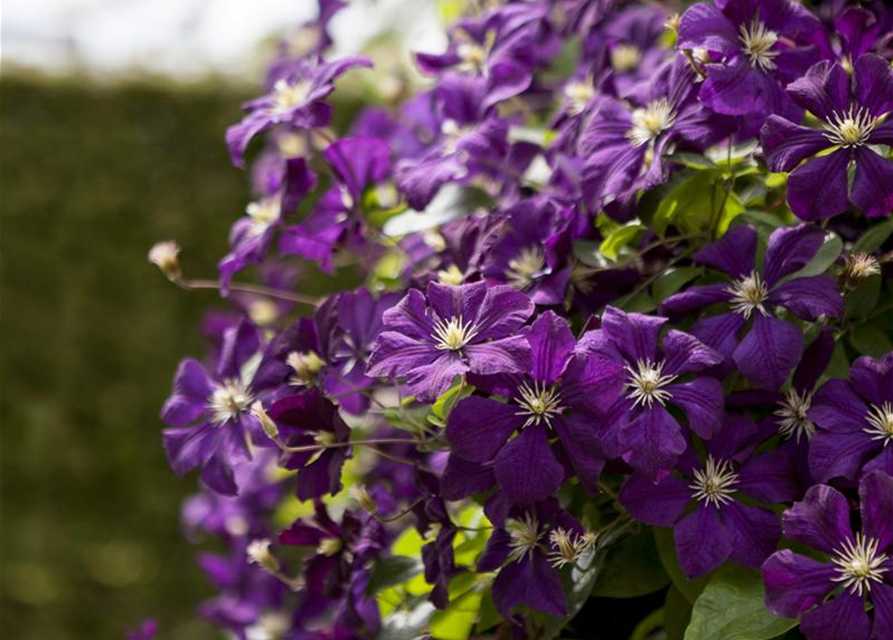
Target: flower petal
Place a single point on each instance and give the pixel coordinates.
(508, 355)
(653, 442)
(526, 468)
(876, 507)
(431, 380)
(882, 598)
(720, 332)
(821, 519)
(756, 533)
(769, 351)
(551, 346)
(840, 454)
(581, 444)
(786, 144)
(733, 254)
(634, 334)
(841, 618)
(873, 184)
(462, 478)
(684, 353)
(873, 84)
(660, 504)
(478, 427)
(789, 250)
(694, 298)
(702, 400)
(823, 91)
(795, 583)
(810, 298)
(703, 542)
(818, 189)
(502, 312)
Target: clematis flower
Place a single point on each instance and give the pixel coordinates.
(430, 339)
(770, 347)
(434, 523)
(520, 550)
(749, 49)
(638, 425)
(309, 419)
(719, 526)
(633, 38)
(560, 395)
(830, 596)
(211, 415)
(853, 112)
(296, 101)
(854, 422)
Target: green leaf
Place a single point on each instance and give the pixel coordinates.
(733, 607)
(677, 614)
(587, 252)
(651, 623)
(456, 621)
(694, 161)
(391, 571)
(872, 239)
(666, 548)
(639, 303)
(673, 280)
(448, 399)
(827, 255)
(693, 205)
(871, 340)
(618, 239)
(577, 584)
(862, 300)
(631, 569)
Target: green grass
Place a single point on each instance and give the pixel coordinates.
(91, 335)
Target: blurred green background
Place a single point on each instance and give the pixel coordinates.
(90, 177)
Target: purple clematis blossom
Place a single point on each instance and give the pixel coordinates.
(749, 49)
(771, 347)
(720, 526)
(859, 567)
(638, 426)
(854, 422)
(296, 101)
(433, 522)
(852, 111)
(453, 330)
(561, 395)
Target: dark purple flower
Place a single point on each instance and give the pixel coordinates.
(310, 419)
(859, 567)
(633, 37)
(145, 631)
(638, 426)
(560, 395)
(852, 111)
(434, 523)
(429, 340)
(749, 49)
(771, 347)
(854, 422)
(720, 526)
(295, 101)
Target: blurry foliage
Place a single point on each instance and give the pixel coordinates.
(91, 335)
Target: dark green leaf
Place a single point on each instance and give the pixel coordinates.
(391, 571)
(618, 239)
(872, 239)
(871, 340)
(824, 258)
(862, 300)
(673, 280)
(651, 623)
(666, 548)
(677, 614)
(631, 569)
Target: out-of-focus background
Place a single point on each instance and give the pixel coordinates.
(112, 115)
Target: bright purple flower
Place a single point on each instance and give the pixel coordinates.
(561, 396)
(633, 43)
(429, 340)
(750, 49)
(622, 146)
(310, 419)
(860, 566)
(211, 415)
(638, 425)
(771, 347)
(852, 111)
(520, 548)
(720, 526)
(295, 101)
(854, 422)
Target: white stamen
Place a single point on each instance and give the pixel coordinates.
(749, 293)
(880, 420)
(650, 122)
(758, 41)
(288, 96)
(859, 564)
(454, 334)
(539, 404)
(263, 214)
(524, 534)
(646, 383)
(569, 546)
(578, 95)
(625, 57)
(229, 400)
(850, 128)
(792, 411)
(715, 483)
(524, 269)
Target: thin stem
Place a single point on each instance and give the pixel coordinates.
(340, 445)
(399, 515)
(193, 285)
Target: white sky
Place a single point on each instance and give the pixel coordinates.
(186, 38)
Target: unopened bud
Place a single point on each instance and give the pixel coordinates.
(266, 422)
(164, 255)
(259, 553)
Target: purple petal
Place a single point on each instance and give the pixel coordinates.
(239, 135)
(634, 334)
(815, 360)
(839, 454)
(789, 250)
(704, 25)
(578, 437)
(496, 552)
(526, 468)
(592, 382)
(876, 505)
(410, 316)
(478, 427)
(769, 351)
(818, 189)
(451, 301)
(551, 346)
(189, 447)
(733, 254)
(720, 332)
(768, 477)
(503, 312)
(702, 400)
(462, 478)
(882, 598)
(795, 583)
(841, 618)
(192, 389)
(660, 504)
(694, 298)
(786, 144)
(703, 542)
(756, 533)
(683, 353)
(431, 380)
(873, 84)
(653, 442)
(810, 298)
(396, 354)
(836, 407)
(873, 378)
(873, 184)
(217, 475)
(821, 519)
(530, 581)
(508, 355)
(823, 91)
(738, 89)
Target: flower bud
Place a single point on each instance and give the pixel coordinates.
(266, 422)
(361, 494)
(164, 255)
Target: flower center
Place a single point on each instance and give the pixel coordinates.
(625, 57)
(524, 534)
(860, 266)
(758, 41)
(880, 420)
(539, 403)
(288, 96)
(850, 128)
(523, 269)
(269, 626)
(578, 95)
(648, 123)
(473, 55)
(454, 334)
(748, 294)
(793, 410)
(568, 546)
(306, 365)
(646, 383)
(329, 546)
(714, 483)
(859, 564)
(263, 213)
(228, 401)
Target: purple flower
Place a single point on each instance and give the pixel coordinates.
(771, 347)
(520, 550)
(146, 630)
(852, 111)
(433, 520)
(211, 416)
(295, 101)
(309, 419)
(749, 50)
(859, 567)
(854, 422)
(429, 340)
(720, 526)
(638, 425)
(560, 396)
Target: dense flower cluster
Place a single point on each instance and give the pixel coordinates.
(611, 276)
